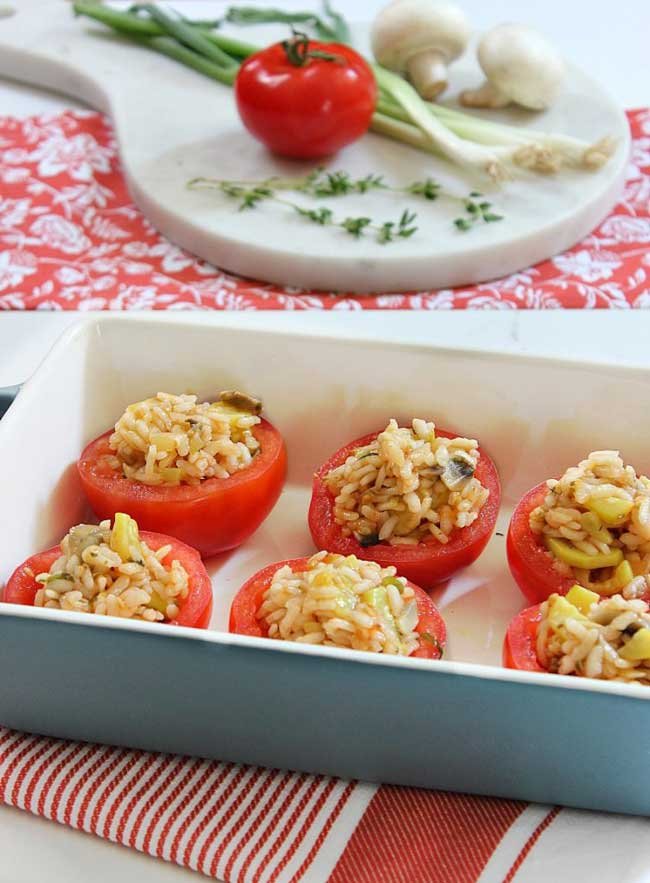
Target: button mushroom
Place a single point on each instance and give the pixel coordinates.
(521, 66)
(420, 38)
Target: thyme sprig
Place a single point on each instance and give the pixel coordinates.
(249, 197)
(322, 184)
(476, 212)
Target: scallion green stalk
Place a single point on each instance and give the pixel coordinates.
(187, 35)
(173, 49)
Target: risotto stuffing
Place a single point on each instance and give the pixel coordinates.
(595, 521)
(407, 487)
(112, 571)
(340, 601)
(174, 439)
(582, 634)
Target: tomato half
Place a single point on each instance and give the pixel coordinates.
(428, 563)
(519, 645)
(194, 611)
(249, 598)
(530, 563)
(306, 110)
(216, 515)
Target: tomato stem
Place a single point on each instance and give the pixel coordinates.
(299, 54)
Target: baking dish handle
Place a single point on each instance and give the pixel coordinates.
(7, 395)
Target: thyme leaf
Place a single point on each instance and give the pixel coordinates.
(476, 212)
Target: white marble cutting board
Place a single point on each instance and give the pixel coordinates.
(173, 124)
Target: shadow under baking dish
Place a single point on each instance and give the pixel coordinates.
(460, 724)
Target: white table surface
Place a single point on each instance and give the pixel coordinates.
(610, 40)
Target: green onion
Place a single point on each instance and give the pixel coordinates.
(188, 35)
(393, 581)
(52, 577)
(170, 47)
(336, 32)
(463, 152)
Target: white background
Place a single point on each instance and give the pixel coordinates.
(610, 40)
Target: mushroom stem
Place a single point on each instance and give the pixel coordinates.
(428, 72)
(486, 95)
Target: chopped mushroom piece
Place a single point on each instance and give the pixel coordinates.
(241, 401)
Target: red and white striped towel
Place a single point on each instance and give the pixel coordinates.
(251, 825)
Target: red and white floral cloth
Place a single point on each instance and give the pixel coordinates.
(71, 239)
(249, 825)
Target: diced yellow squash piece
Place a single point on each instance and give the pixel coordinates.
(622, 576)
(164, 441)
(575, 558)
(590, 522)
(171, 473)
(125, 539)
(559, 610)
(322, 579)
(157, 603)
(225, 412)
(638, 647)
(196, 443)
(612, 511)
(581, 598)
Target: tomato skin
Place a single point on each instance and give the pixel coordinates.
(248, 600)
(212, 517)
(519, 644)
(195, 611)
(427, 564)
(306, 112)
(530, 564)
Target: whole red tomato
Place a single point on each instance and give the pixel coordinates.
(306, 99)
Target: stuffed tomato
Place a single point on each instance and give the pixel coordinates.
(592, 527)
(206, 473)
(417, 498)
(584, 635)
(339, 601)
(117, 571)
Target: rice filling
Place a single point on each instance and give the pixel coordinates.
(113, 572)
(174, 439)
(595, 522)
(340, 601)
(408, 486)
(609, 641)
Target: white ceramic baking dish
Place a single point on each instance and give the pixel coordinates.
(461, 724)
